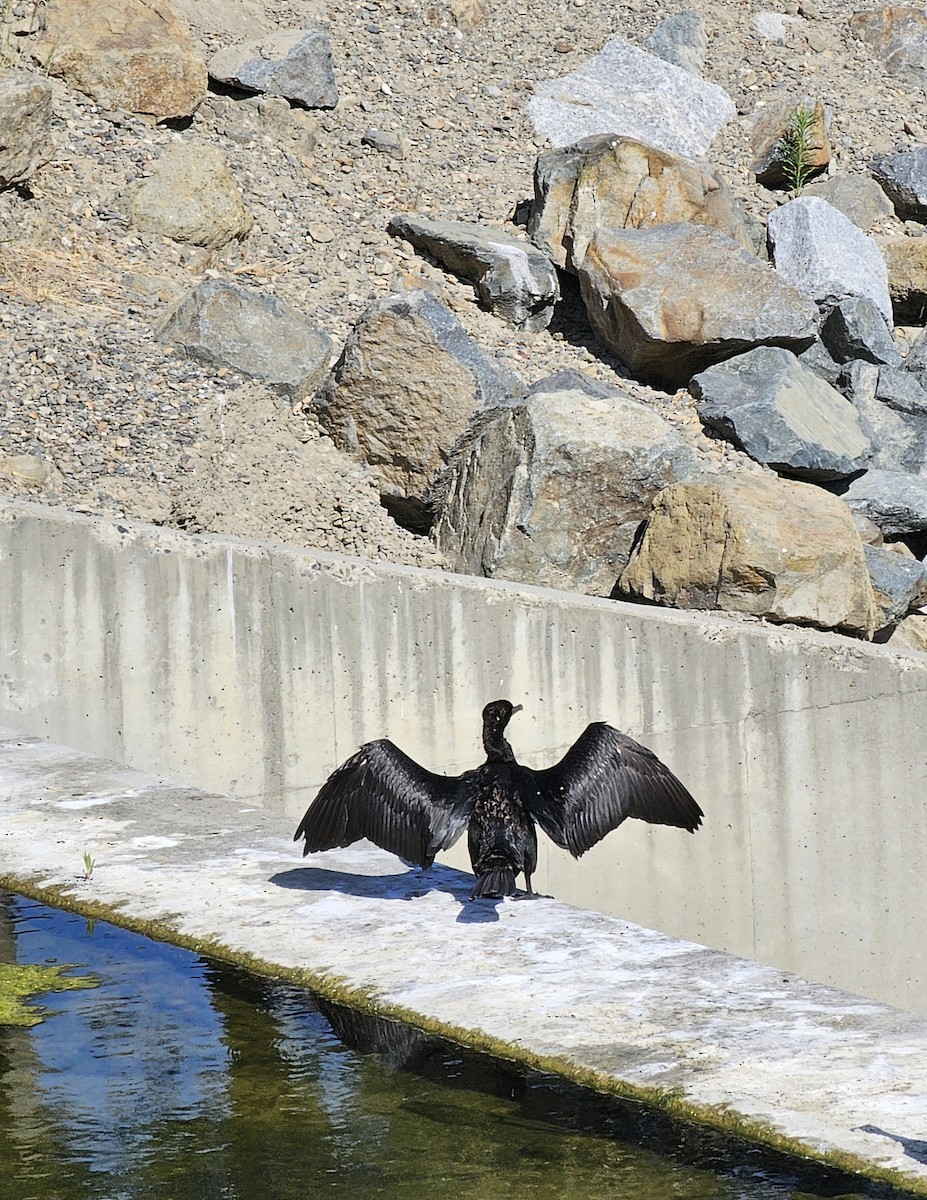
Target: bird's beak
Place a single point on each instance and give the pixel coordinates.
(516, 708)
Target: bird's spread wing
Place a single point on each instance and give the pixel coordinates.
(382, 794)
(602, 779)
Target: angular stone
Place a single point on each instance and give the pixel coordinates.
(674, 299)
(910, 634)
(293, 63)
(899, 583)
(855, 328)
(817, 358)
(894, 500)
(191, 196)
(625, 91)
(25, 126)
(898, 35)
(680, 39)
(782, 415)
(230, 326)
(552, 490)
(906, 259)
(903, 178)
(887, 400)
(858, 197)
(755, 544)
(134, 55)
(607, 182)
(400, 395)
(769, 139)
(819, 251)
(512, 278)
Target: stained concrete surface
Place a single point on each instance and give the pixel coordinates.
(830, 1071)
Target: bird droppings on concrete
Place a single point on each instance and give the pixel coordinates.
(723, 1041)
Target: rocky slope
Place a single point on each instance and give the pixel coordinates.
(431, 119)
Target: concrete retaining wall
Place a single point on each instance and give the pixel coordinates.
(252, 670)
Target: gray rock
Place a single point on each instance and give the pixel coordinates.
(191, 196)
(512, 278)
(902, 391)
(231, 326)
(817, 358)
(819, 251)
(608, 182)
(894, 500)
(898, 437)
(25, 126)
(680, 39)
(782, 415)
(903, 178)
(855, 328)
(916, 359)
(624, 90)
(899, 583)
(858, 197)
(552, 490)
(774, 26)
(293, 63)
(898, 34)
(674, 299)
(408, 380)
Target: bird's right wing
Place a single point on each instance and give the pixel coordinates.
(382, 794)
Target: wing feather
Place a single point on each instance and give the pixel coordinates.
(381, 794)
(604, 778)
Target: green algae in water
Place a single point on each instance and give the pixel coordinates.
(17, 983)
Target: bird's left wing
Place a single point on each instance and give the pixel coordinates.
(382, 794)
(604, 778)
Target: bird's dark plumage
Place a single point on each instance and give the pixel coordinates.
(604, 778)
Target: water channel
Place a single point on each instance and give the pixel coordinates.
(176, 1076)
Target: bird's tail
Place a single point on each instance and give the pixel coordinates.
(496, 881)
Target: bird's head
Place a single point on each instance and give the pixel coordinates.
(496, 715)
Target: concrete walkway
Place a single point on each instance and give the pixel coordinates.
(734, 1044)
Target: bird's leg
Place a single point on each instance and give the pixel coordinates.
(528, 883)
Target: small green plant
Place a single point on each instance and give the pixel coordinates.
(89, 864)
(798, 145)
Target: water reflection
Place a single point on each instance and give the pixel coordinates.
(179, 1078)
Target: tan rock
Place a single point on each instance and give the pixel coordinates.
(755, 544)
(191, 196)
(25, 126)
(673, 299)
(769, 139)
(135, 55)
(910, 634)
(906, 259)
(608, 182)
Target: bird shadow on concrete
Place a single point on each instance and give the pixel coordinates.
(402, 885)
(915, 1148)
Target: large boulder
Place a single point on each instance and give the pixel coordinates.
(227, 325)
(906, 259)
(674, 299)
(552, 490)
(855, 329)
(755, 544)
(624, 90)
(408, 380)
(512, 278)
(191, 196)
(782, 414)
(293, 63)
(609, 182)
(858, 197)
(892, 406)
(134, 55)
(25, 126)
(898, 581)
(822, 253)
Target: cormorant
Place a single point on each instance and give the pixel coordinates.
(382, 794)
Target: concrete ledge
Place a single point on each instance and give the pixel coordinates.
(727, 1042)
(252, 670)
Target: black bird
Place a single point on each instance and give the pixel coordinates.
(382, 794)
